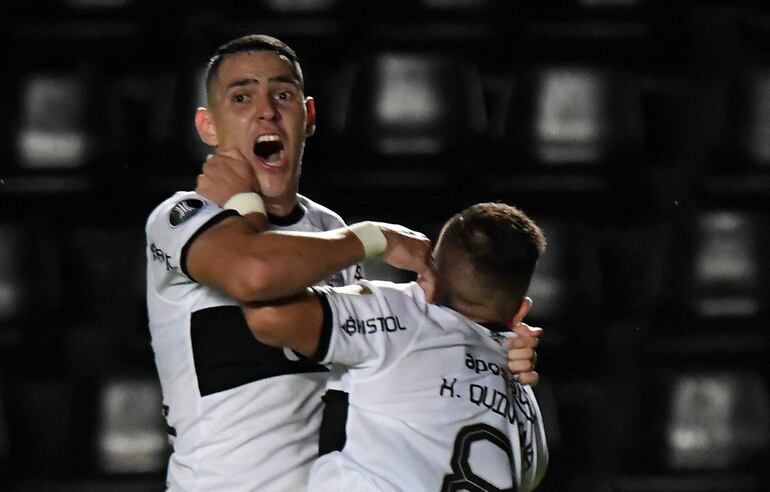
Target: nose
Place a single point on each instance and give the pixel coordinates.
(266, 109)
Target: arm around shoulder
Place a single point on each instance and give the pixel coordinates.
(251, 265)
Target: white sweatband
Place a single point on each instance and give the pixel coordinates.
(246, 203)
(371, 237)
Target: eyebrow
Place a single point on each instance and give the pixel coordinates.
(248, 81)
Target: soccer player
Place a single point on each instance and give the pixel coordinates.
(422, 399)
(244, 415)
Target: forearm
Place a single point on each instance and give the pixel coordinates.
(249, 265)
(288, 262)
(293, 322)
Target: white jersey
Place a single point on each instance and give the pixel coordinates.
(430, 403)
(245, 416)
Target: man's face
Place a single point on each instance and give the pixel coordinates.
(259, 109)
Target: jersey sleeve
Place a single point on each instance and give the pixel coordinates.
(368, 325)
(173, 226)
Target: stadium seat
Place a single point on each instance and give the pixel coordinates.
(415, 104)
(579, 115)
(574, 132)
(130, 435)
(414, 121)
(58, 141)
(52, 134)
(717, 419)
(728, 265)
(694, 421)
(701, 399)
(717, 269)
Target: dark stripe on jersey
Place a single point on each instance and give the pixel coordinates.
(212, 221)
(335, 416)
(227, 355)
(326, 328)
(294, 216)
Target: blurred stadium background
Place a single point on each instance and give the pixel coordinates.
(636, 131)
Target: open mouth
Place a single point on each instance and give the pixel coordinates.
(268, 148)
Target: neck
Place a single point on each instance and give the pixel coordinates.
(280, 207)
(476, 312)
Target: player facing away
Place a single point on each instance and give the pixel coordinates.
(421, 398)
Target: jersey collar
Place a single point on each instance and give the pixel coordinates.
(495, 326)
(294, 216)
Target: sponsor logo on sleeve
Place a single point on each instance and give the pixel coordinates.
(160, 256)
(184, 210)
(336, 280)
(381, 324)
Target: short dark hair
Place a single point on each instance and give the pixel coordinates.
(252, 42)
(502, 243)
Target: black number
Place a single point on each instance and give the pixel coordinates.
(463, 478)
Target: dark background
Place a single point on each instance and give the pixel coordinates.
(636, 132)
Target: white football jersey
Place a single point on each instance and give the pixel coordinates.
(245, 415)
(430, 404)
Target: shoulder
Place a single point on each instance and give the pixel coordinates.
(328, 218)
(178, 208)
(398, 296)
(409, 293)
(407, 289)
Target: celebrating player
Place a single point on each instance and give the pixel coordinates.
(245, 415)
(425, 401)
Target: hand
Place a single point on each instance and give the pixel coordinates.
(522, 354)
(225, 174)
(410, 250)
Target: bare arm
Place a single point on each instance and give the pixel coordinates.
(294, 322)
(249, 265)
(240, 258)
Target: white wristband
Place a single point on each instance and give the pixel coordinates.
(371, 237)
(246, 203)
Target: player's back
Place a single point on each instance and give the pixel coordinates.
(433, 408)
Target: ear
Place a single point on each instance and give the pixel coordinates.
(207, 130)
(310, 118)
(521, 313)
